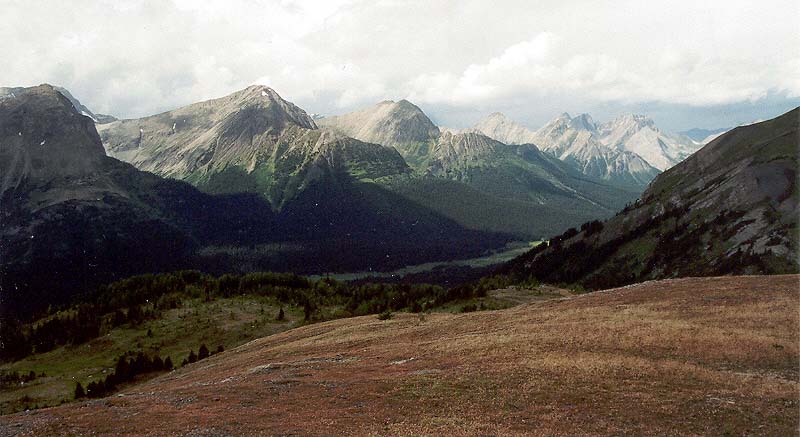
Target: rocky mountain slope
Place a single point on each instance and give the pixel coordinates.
(577, 141)
(732, 207)
(549, 190)
(501, 128)
(83, 110)
(639, 134)
(520, 172)
(663, 347)
(74, 217)
(252, 141)
(401, 125)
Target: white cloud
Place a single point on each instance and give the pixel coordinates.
(139, 57)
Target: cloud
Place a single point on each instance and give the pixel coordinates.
(543, 67)
(139, 57)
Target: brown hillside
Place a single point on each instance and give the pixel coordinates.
(681, 356)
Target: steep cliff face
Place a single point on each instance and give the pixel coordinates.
(732, 207)
(578, 141)
(42, 138)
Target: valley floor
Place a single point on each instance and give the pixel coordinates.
(681, 356)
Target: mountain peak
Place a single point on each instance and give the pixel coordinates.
(399, 124)
(583, 121)
(44, 138)
(630, 119)
(501, 128)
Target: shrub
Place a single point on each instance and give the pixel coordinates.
(386, 315)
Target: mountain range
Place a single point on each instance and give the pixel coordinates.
(730, 208)
(74, 217)
(250, 181)
(629, 150)
(255, 141)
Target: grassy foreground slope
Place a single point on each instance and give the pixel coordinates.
(678, 356)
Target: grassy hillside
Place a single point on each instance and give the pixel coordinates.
(692, 356)
(731, 208)
(171, 315)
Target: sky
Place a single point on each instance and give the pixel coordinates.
(686, 64)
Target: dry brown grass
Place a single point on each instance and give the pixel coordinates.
(686, 356)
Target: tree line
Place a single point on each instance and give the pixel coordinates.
(134, 300)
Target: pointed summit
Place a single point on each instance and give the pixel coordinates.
(252, 140)
(578, 141)
(639, 134)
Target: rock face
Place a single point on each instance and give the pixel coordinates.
(578, 141)
(730, 208)
(520, 172)
(72, 217)
(401, 125)
(49, 143)
(639, 134)
(251, 140)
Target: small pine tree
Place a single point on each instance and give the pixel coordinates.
(149, 332)
(168, 363)
(192, 357)
(203, 352)
(220, 349)
(79, 393)
(281, 315)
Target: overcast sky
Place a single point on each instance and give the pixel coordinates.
(685, 63)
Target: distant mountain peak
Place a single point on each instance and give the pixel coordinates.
(500, 127)
(402, 125)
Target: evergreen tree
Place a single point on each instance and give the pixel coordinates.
(79, 393)
(203, 352)
(168, 364)
(281, 315)
(220, 349)
(192, 357)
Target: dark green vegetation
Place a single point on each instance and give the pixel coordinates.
(74, 218)
(731, 208)
(153, 320)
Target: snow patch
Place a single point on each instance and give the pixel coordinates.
(42, 143)
(263, 93)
